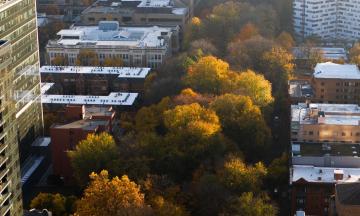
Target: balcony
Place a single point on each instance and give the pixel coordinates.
(4, 185)
(3, 159)
(3, 174)
(5, 209)
(4, 198)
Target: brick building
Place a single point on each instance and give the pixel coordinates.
(312, 187)
(94, 80)
(81, 121)
(336, 83)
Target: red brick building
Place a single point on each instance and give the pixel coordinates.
(82, 121)
(312, 187)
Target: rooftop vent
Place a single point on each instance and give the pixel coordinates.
(338, 174)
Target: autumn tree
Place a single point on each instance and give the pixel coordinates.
(113, 62)
(58, 204)
(193, 31)
(87, 57)
(95, 153)
(354, 54)
(278, 67)
(239, 177)
(116, 196)
(59, 61)
(250, 205)
(256, 87)
(202, 47)
(209, 75)
(248, 31)
(192, 119)
(285, 40)
(242, 121)
(243, 55)
(188, 96)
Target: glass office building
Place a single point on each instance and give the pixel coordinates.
(20, 105)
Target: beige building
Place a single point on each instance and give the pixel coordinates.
(325, 123)
(347, 199)
(139, 12)
(336, 83)
(136, 46)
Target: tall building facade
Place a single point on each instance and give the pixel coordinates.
(20, 105)
(328, 19)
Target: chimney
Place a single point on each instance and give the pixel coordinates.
(338, 174)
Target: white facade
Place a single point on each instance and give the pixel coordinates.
(136, 46)
(329, 19)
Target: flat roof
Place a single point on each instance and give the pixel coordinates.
(336, 71)
(113, 99)
(141, 37)
(45, 86)
(348, 193)
(156, 3)
(330, 114)
(86, 124)
(122, 72)
(323, 174)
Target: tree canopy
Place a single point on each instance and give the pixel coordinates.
(95, 153)
(116, 196)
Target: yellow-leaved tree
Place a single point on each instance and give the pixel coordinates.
(192, 119)
(209, 75)
(116, 196)
(256, 87)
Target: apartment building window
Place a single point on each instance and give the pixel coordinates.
(343, 134)
(322, 83)
(322, 90)
(337, 84)
(311, 133)
(346, 83)
(357, 134)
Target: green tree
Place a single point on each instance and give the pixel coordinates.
(249, 205)
(239, 177)
(242, 121)
(256, 87)
(95, 153)
(52, 202)
(116, 196)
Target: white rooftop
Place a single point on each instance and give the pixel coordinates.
(323, 174)
(155, 3)
(334, 114)
(46, 86)
(138, 37)
(122, 72)
(113, 99)
(336, 71)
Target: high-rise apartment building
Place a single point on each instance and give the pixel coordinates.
(20, 107)
(329, 19)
